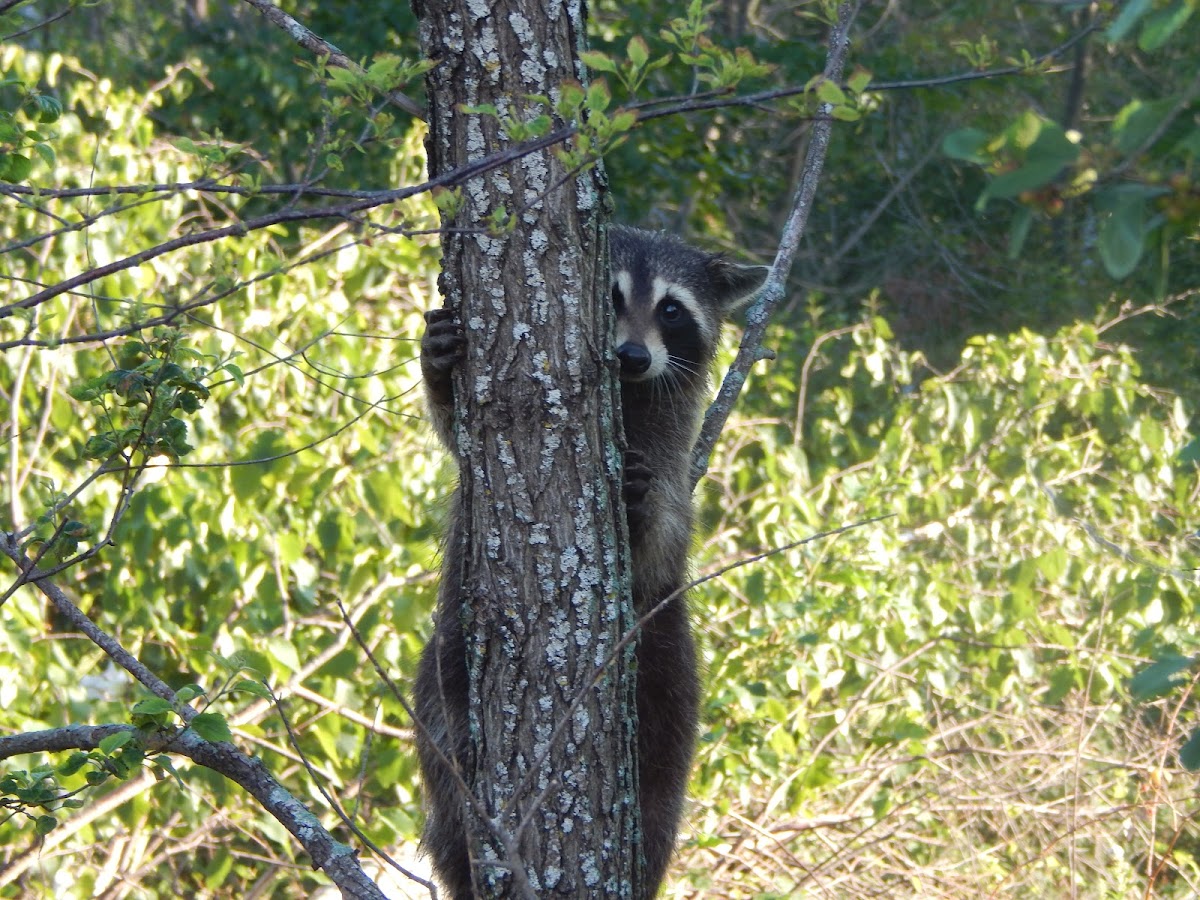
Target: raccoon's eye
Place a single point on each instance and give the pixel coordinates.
(670, 312)
(618, 298)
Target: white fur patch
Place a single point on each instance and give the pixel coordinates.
(624, 284)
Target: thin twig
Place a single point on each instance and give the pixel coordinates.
(334, 805)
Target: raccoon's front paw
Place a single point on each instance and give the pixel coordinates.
(443, 346)
(637, 486)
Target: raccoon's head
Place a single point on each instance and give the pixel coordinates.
(670, 301)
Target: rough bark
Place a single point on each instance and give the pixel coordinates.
(540, 565)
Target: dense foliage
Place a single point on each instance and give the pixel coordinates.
(993, 345)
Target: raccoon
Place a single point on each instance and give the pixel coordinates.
(670, 300)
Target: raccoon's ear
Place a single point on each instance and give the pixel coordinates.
(735, 285)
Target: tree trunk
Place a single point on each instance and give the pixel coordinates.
(540, 571)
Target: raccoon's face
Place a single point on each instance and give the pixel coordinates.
(670, 300)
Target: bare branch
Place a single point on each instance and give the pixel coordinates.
(204, 185)
(750, 350)
(322, 48)
(30, 574)
(238, 229)
(49, 20)
(337, 860)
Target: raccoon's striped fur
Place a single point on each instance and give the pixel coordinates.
(670, 300)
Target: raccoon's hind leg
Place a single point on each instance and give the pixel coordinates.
(443, 747)
(668, 687)
(668, 702)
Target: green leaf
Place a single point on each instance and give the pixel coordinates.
(257, 688)
(1054, 147)
(114, 742)
(164, 762)
(638, 52)
(623, 121)
(283, 652)
(600, 62)
(783, 743)
(483, 109)
(1050, 152)
(1121, 237)
(73, 763)
(966, 144)
(1137, 121)
(1162, 26)
(253, 481)
(829, 92)
(152, 706)
(211, 727)
(1018, 231)
(189, 692)
(1189, 144)
(49, 109)
(598, 96)
(539, 125)
(1191, 451)
(1025, 178)
(15, 167)
(236, 373)
(329, 531)
(570, 98)
(1189, 753)
(1159, 677)
(43, 825)
(1062, 681)
(1053, 565)
(858, 80)
(220, 870)
(1024, 130)
(1131, 12)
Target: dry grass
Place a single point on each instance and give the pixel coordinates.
(1075, 801)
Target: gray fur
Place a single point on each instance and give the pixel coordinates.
(664, 374)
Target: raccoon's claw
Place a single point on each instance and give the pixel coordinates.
(637, 486)
(443, 344)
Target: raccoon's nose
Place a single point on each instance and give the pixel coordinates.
(635, 359)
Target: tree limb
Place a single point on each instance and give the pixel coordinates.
(337, 860)
(30, 574)
(751, 349)
(322, 48)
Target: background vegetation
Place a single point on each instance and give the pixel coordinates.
(992, 338)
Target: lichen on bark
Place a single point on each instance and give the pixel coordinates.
(544, 596)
